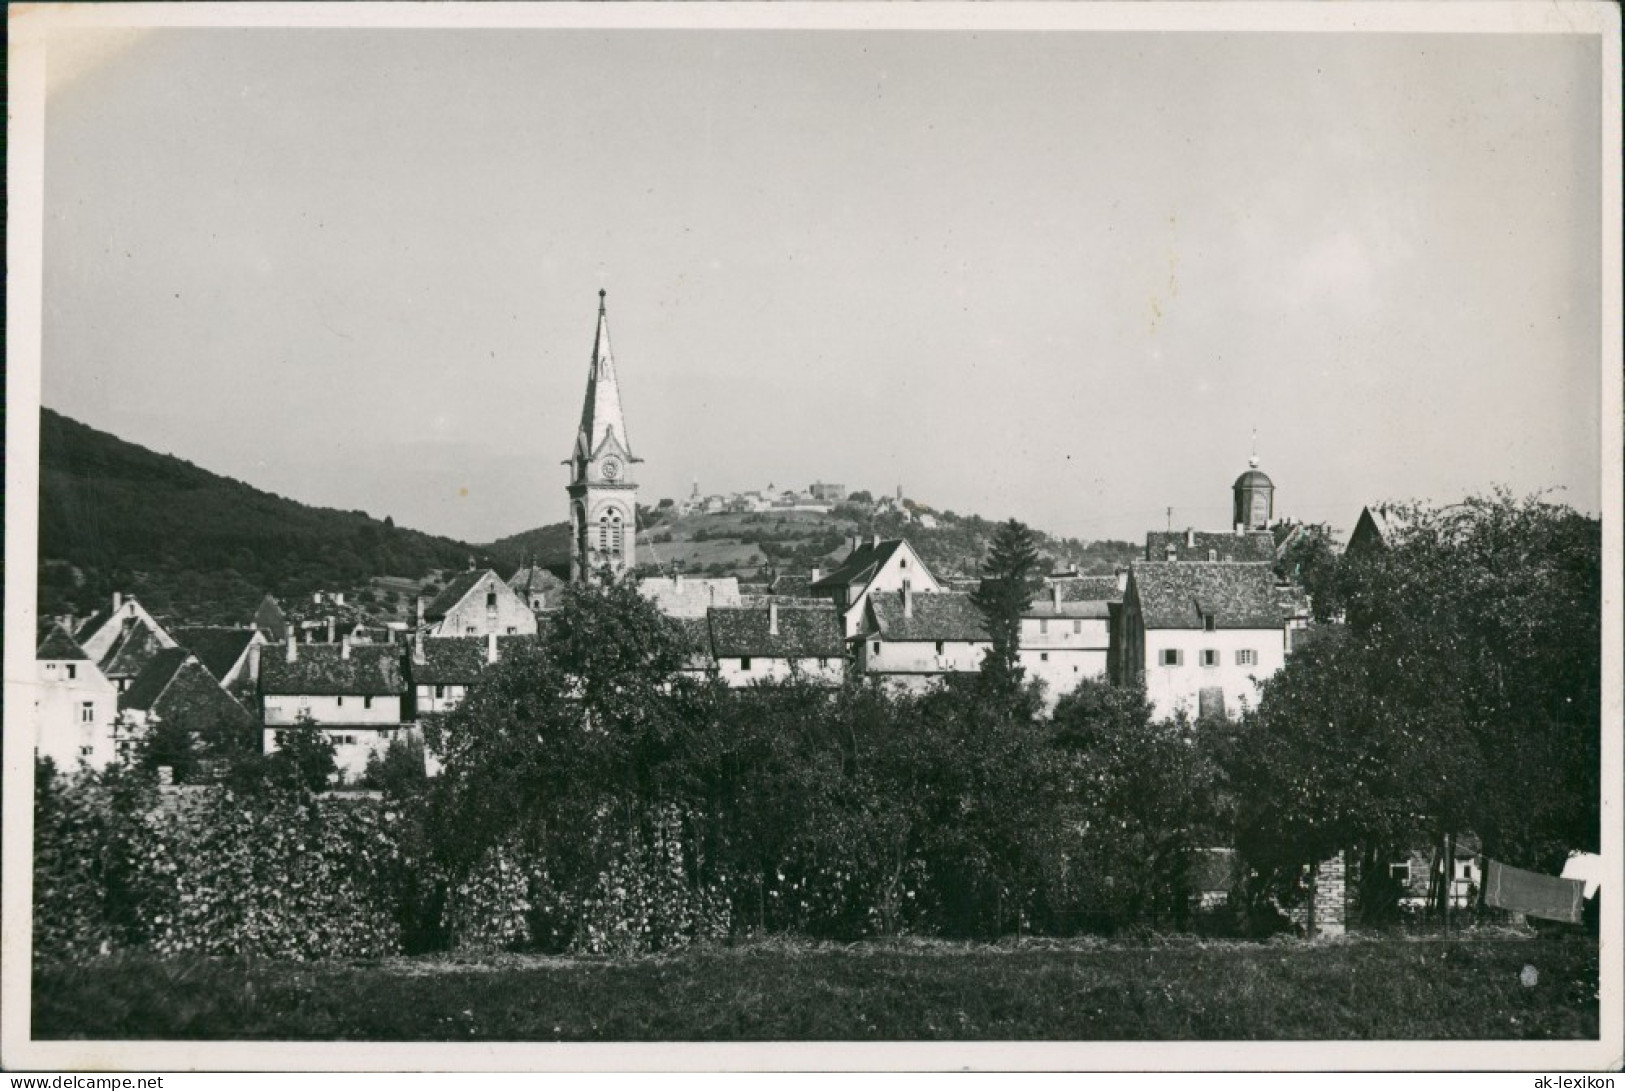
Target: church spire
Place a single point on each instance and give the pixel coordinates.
(601, 412)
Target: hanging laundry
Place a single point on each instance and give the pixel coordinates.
(1532, 893)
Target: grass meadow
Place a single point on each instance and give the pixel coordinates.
(1467, 986)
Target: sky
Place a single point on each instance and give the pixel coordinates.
(1059, 276)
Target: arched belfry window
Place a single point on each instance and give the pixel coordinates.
(609, 533)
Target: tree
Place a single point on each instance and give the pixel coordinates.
(1463, 695)
(400, 771)
(1312, 561)
(1010, 579)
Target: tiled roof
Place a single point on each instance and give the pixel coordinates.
(1177, 595)
(859, 565)
(321, 670)
(946, 616)
(190, 692)
(131, 651)
(452, 595)
(57, 644)
(1249, 547)
(1088, 588)
(149, 685)
(88, 627)
(805, 632)
(686, 596)
(458, 660)
(218, 649)
(535, 580)
(791, 586)
(1045, 606)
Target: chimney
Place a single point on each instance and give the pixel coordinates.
(118, 601)
(875, 541)
(908, 602)
(293, 642)
(330, 628)
(1055, 596)
(344, 648)
(1190, 538)
(491, 646)
(677, 581)
(817, 574)
(316, 598)
(420, 611)
(772, 619)
(417, 650)
(254, 662)
(852, 544)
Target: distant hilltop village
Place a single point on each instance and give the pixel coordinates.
(1200, 619)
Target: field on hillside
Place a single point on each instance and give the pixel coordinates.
(1471, 986)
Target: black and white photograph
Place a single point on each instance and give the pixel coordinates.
(813, 536)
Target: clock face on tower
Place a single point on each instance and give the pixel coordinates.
(612, 469)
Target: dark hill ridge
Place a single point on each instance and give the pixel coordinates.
(195, 545)
(200, 548)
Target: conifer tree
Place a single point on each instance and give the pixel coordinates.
(1010, 579)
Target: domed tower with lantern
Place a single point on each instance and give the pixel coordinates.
(1254, 492)
(603, 495)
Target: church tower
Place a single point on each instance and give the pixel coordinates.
(1254, 492)
(603, 496)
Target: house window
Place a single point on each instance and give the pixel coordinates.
(1043, 657)
(1400, 873)
(1466, 871)
(491, 601)
(73, 671)
(513, 630)
(471, 631)
(1170, 657)
(744, 663)
(86, 751)
(1077, 626)
(1212, 554)
(341, 702)
(366, 702)
(908, 584)
(902, 562)
(1210, 657)
(439, 692)
(304, 702)
(87, 712)
(877, 647)
(1208, 623)
(1246, 657)
(1043, 625)
(940, 646)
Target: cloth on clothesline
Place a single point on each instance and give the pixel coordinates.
(1585, 866)
(1533, 894)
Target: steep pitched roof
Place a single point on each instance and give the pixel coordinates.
(454, 592)
(459, 660)
(218, 649)
(322, 670)
(154, 678)
(535, 580)
(944, 616)
(686, 596)
(189, 692)
(132, 650)
(860, 565)
(87, 628)
(1249, 547)
(57, 644)
(789, 586)
(1176, 595)
(805, 632)
(601, 411)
